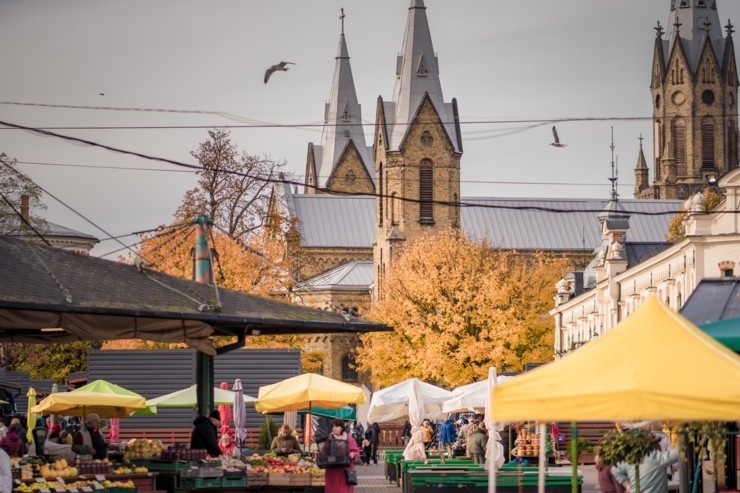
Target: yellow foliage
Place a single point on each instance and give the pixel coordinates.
(459, 307)
(676, 230)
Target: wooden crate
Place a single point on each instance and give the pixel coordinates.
(256, 479)
(318, 479)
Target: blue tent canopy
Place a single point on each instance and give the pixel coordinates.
(346, 413)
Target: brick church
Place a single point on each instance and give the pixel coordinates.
(361, 203)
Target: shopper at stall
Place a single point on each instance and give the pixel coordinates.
(653, 477)
(226, 444)
(89, 442)
(16, 423)
(428, 432)
(285, 443)
(607, 482)
(336, 477)
(205, 433)
(12, 443)
(477, 443)
(447, 437)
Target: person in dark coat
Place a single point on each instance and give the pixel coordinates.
(373, 436)
(406, 432)
(12, 443)
(205, 433)
(447, 437)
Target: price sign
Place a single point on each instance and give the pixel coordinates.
(59, 489)
(97, 485)
(40, 480)
(60, 480)
(17, 481)
(99, 477)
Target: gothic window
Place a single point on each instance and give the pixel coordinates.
(679, 145)
(394, 209)
(731, 142)
(707, 143)
(381, 197)
(701, 3)
(426, 192)
(685, 4)
(349, 371)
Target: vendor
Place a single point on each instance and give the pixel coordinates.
(285, 443)
(205, 433)
(89, 443)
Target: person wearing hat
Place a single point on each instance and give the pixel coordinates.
(205, 433)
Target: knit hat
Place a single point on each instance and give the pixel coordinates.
(215, 414)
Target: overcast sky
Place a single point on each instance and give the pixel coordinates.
(506, 61)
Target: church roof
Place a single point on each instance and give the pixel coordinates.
(417, 74)
(351, 276)
(343, 117)
(698, 19)
(53, 230)
(551, 224)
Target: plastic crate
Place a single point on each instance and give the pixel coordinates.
(324, 461)
(233, 482)
(200, 482)
(202, 472)
(168, 465)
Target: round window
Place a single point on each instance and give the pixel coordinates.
(708, 97)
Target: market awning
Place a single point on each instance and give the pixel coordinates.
(346, 413)
(654, 365)
(48, 295)
(725, 331)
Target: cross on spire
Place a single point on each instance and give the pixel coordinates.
(706, 24)
(641, 139)
(729, 28)
(659, 32)
(677, 25)
(341, 18)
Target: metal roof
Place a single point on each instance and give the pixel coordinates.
(713, 300)
(52, 230)
(692, 17)
(510, 223)
(335, 221)
(356, 275)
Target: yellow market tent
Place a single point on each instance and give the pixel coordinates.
(307, 390)
(82, 403)
(654, 365)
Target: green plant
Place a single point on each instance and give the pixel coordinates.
(706, 436)
(583, 446)
(629, 446)
(268, 430)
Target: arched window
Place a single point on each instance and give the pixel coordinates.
(394, 209)
(731, 145)
(679, 145)
(381, 198)
(349, 370)
(426, 192)
(707, 143)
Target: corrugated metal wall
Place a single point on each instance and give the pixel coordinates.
(154, 373)
(23, 380)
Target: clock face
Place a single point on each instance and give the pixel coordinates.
(678, 98)
(708, 97)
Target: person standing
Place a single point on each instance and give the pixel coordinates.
(89, 442)
(12, 444)
(372, 434)
(406, 432)
(477, 443)
(607, 482)
(428, 432)
(205, 433)
(447, 437)
(336, 477)
(653, 477)
(285, 443)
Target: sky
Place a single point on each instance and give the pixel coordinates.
(514, 66)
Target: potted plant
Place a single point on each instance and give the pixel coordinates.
(630, 446)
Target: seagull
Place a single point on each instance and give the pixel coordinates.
(275, 68)
(102, 94)
(557, 139)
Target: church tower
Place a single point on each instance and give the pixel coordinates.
(694, 92)
(342, 163)
(417, 151)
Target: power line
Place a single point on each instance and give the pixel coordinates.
(475, 182)
(283, 181)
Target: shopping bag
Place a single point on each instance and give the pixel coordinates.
(351, 476)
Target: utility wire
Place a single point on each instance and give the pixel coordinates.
(285, 181)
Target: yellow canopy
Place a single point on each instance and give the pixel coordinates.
(655, 365)
(81, 403)
(307, 390)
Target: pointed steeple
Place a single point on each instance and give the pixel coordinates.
(642, 181)
(613, 209)
(417, 75)
(343, 118)
(693, 21)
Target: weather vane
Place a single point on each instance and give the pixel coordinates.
(341, 18)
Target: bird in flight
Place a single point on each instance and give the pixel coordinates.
(557, 139)
(280, 66)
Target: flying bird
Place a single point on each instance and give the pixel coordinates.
(280, 66)
(557, 139)
(102, 93)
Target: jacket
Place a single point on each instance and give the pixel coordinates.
(653, 477)
(607, 482)
(290, 442)
(12, 444)
(449, 434)
(205, 436)
(477, 442)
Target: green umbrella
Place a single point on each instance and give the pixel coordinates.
(346, 413)
(725, 331)
(106, 387)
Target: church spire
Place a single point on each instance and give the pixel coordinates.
(343, 119)
(642, 181)
(417, 75)
(693, 21)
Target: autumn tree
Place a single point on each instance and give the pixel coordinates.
(676, 230)
(14, 185)
(459, 307)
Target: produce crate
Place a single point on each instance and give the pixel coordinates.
(256, 479)
(300, 479)
(202, 472)
(234, 474)
(233, 482)
(118, 489)
(318, 479)
(200, 482)
(278, 479)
